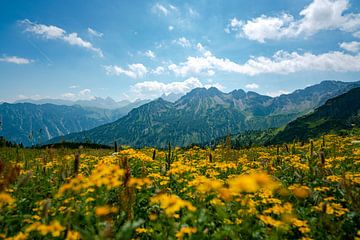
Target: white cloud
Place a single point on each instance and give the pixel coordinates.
(136, 70)
(172, 7)
(48, 32)
(182, 42)
(53, 32)
(277, 93)
(179, 17)
(150, 54)
(94, 33)
(73, 86)
(158, 71)
(84, 94)
(234, 25)
(281, 62)
(356, 34)
(160, 9)
(202, 50)
(192, 12)
(33, 97)
(16, 60)
(350, 46)
(317, 16)
(73, 39)
(265, 27)
(252, 86)
(69, 96)
(154, 89)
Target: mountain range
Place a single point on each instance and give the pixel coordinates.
(205, 114)
(30, 123)
(97, 102)
(339, 113)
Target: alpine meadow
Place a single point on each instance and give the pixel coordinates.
(164, 119)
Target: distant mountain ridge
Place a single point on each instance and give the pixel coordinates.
(46, 121)
(205, 114)
(339, 113)
(97, 102)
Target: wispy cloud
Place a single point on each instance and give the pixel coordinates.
(162, 10)
(179, 17)
(158, 70)
(350, 46)
(24, 97)
(15, 60)
(56, 33)
(252, 86)
(84, 94)
(94, 33)
(182, 42)
(136, 70)
(150, 54)
(192, 12)
(317, 16)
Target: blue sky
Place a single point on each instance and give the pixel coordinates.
(142, 49)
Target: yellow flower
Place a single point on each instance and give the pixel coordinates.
(19, 236)
(171, 203)
(331, 209)
(5, 199)
(300, 191)
(105, 210)
(322, 189)
(36, 217)
(140, 230)
(73, 235)
(153, 217)
(55, 228)
(90, 199)
(217, 202)
(251, 183)
(205, 185)
(185, 230)
(272, 222)
(278, 209)
(139, 182)
(238, 221)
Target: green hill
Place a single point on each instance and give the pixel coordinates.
(342, 112)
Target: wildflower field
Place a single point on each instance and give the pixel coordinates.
(294, 191)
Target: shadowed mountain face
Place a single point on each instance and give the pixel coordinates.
(32, 124)
(48, 118)
(342, 112)
(205, 114)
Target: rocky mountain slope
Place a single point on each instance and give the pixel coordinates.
(205, 114)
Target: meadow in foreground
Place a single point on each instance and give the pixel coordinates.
(295, 191)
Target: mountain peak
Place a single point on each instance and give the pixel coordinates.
(159, 102)
(204, 92)
(192, 118)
